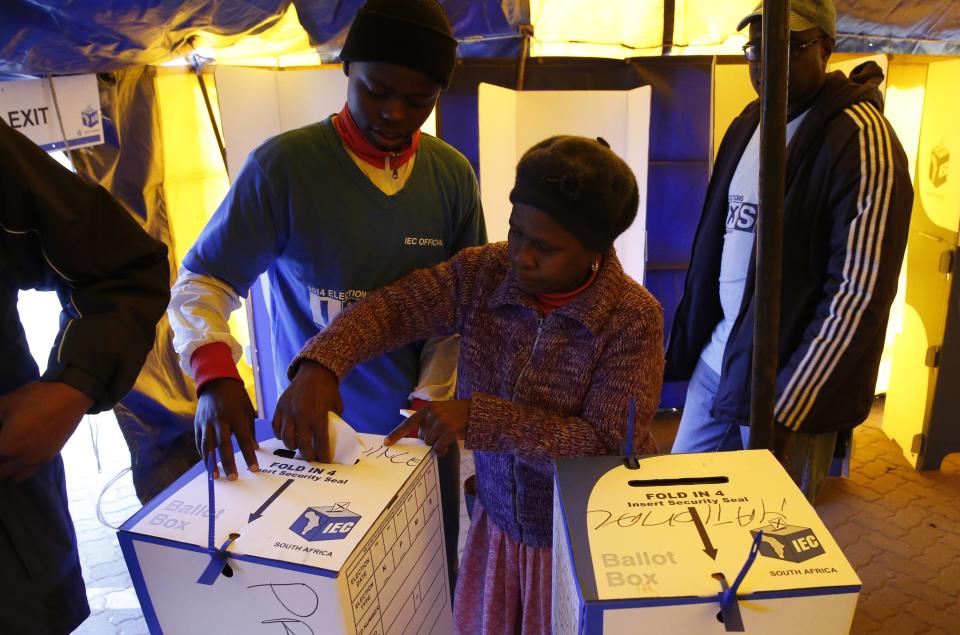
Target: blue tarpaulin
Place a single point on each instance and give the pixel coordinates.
(40, 37)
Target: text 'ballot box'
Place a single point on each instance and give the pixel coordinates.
(658, 545)
(316, 548)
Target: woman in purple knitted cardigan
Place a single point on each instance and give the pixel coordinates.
(554, 340)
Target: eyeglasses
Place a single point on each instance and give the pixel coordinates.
(752, 51)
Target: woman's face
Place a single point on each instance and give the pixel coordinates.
(544, 256)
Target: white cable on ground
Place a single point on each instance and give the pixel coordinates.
(110, 483)
(95, 440)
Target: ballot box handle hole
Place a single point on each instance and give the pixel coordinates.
(227, 570)
(723, 583)
(668, 482)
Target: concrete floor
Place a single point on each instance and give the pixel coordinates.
(113, 603)
(898, 527)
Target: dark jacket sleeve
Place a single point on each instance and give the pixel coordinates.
(112, 278)
(869, 204)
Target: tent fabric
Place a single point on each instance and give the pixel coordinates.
(924, 27)
(156, 416)
(473, 21)
(613, 28)
(130, 171)
(40, 37)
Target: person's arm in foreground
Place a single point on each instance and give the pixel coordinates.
(631, 367)
(113, 282)
(870, 209)
(423, 303)
(239, 243)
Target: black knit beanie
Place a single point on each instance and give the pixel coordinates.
(581, 184)
(411, 33)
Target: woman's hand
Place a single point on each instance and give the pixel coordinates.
(440, 424)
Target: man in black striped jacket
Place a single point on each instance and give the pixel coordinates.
(846, 215)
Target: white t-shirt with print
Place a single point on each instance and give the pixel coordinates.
(738, 238)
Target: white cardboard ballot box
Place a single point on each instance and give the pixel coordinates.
(317, 549)
(643, 549)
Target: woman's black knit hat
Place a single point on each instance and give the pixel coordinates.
(582, 184)
(411, 33)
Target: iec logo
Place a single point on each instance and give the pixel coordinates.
(939, 165)
(90, 116)
(788, 542)
(325, 523)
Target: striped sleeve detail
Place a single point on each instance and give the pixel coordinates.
(860, 270)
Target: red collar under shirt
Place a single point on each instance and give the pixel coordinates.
(551, 301)
(357, 143)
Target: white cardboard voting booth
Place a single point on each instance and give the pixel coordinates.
(511, 122)
(317, 549)
(642, 549)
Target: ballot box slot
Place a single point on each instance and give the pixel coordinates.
(670, 482)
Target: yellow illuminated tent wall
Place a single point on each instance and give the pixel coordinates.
(195, 178)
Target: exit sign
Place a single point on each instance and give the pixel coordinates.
(27, 105)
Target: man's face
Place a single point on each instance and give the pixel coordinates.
(807, 70)
(389, 102)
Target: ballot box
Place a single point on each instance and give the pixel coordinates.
(693, 543)
(298, 549)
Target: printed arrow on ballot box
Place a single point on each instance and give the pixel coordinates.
(707, 545)
(257, 514)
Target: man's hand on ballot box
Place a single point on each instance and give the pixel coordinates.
(440, 424)
(300, 420)
(36, 420)
(224, 409)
